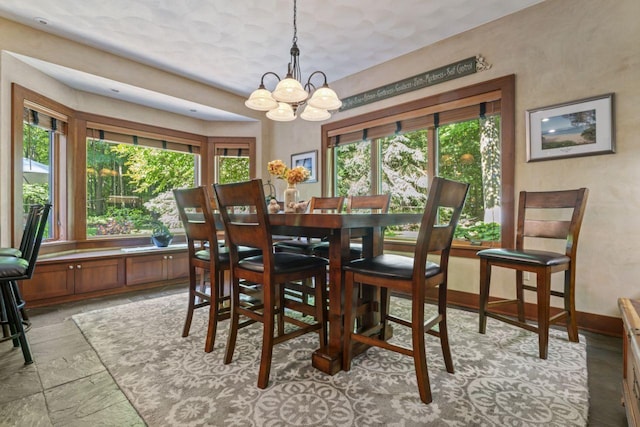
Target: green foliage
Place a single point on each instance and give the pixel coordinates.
(478, 231)
(353, 169)
(34, 194)
(459, 160)
(139, 217)
(153, 171)
(113, 226)
(233, 169)
(121, 177)
(161, 230)
(163, 208)
(468, 151)
(404, 170)
(36, 145)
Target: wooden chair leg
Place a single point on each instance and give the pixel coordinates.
(419, 354)
(234, 321)
(192, 301)
(485, 280)
(279, 312)
(350, 299)
(543, 284)
(385, 300)
(203, 280)
(267, 337)
(214, 310)
(444, 333)
(520, 295)
(570, 304)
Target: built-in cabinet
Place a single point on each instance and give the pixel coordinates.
(631, 359)
(83, 274)
(79, 276)
(154, 268)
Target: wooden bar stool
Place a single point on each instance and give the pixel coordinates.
(412, 277)
(542, 263)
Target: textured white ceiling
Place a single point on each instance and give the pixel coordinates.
(230, 44)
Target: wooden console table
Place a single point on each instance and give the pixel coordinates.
(630, 310)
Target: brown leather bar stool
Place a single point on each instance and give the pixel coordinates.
(273, 270)
(412, 277)
(551, 224)
(205, 253)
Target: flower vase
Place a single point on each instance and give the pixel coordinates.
(290, 198)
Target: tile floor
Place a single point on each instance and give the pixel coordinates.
(68, 386)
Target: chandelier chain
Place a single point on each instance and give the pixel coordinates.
(295, 24)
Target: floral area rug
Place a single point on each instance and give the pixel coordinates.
(498, 379)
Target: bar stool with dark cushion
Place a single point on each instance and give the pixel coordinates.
(13, 269)
(542, 216)
(273, 270)
(412, 277)
(30, 223)
(205, 252)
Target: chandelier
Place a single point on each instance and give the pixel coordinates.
(289, 95)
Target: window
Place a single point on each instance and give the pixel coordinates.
(110, 182)
(43, 136)
(233, 160)
(466, 138)
(129, 182)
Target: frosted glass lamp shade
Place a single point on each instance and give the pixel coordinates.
(283, 113)
(261, 100)
(290, 90)
(314, 114)
(325, 98)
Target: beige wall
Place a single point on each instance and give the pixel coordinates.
(559, 50)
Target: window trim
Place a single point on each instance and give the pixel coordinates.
(22, 97)
(234, 143)
(504, 87)
(70, 204)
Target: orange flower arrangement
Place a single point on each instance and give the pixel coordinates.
(292, 176)
(277, 168)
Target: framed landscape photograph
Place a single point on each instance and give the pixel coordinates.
(310, 161)
(578, 128)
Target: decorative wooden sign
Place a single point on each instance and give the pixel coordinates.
(439, 75)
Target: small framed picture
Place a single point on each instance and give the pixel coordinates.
(579, 128)
(310, 161)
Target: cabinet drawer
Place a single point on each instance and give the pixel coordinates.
(178, 266)
(145, 269)
(48, 281)
(98, 275)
